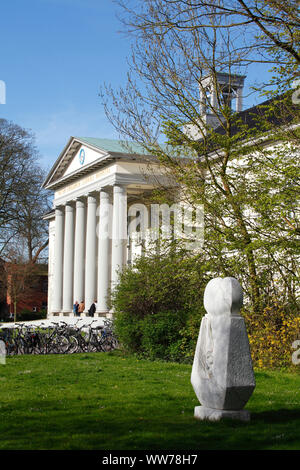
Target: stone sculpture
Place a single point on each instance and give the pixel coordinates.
(222, 373)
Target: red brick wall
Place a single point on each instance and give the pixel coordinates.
(33, 297)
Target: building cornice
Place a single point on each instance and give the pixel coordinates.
(65, 157)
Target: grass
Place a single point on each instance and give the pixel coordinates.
(109, 401)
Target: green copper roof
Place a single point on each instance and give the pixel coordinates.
(117, 146)
(127, 147)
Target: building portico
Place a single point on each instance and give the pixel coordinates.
(90, 242)
(94, 182)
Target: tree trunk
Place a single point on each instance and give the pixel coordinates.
(15, 311)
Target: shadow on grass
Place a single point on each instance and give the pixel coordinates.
(76, 424)
(277, 416)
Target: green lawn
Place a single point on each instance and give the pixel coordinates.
(112, 402)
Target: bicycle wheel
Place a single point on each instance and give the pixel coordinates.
(41, 344)
(11, 349)
(102, 343)
(72, 345)
(58, 345)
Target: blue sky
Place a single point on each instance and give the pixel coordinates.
(54, 56)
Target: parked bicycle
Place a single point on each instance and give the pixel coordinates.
(58, 338)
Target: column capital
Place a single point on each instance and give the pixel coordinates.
(104, 194)
(119, 188)
(92, 196)
(94, 192)
(69, 206)
(80, 201)
(59, 210)
(65, 203)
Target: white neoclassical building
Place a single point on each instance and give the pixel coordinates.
(94, 182)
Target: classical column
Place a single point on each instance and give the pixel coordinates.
(79, 251)
(68, 259)
(90, 257)
(239, 100)
(119, 232)
(58, 260)
(203, 103)
(104, 240)
(213, 99)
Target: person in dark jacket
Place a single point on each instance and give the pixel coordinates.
(92, 309)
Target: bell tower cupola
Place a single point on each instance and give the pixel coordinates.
(216, 92)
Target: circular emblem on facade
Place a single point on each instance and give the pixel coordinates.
(81, 156)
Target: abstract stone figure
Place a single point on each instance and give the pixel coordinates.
(222, 373)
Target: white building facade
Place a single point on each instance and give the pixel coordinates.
(95, 181)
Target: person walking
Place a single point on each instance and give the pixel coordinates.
(81, 308)
(92, 309)
(75, 308)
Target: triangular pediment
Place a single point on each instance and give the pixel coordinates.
(84, 154)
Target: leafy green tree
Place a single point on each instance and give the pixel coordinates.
(242, 166)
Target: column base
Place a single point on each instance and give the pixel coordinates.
(54, 314)
(211, 414)
(57, 314)
(101, 313)
(61, 314)
(71, 318)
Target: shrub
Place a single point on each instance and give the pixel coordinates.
(155, 303)
(271, 335)
(161, 338)
(28, 315)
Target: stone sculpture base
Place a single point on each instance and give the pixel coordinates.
(211, 414)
